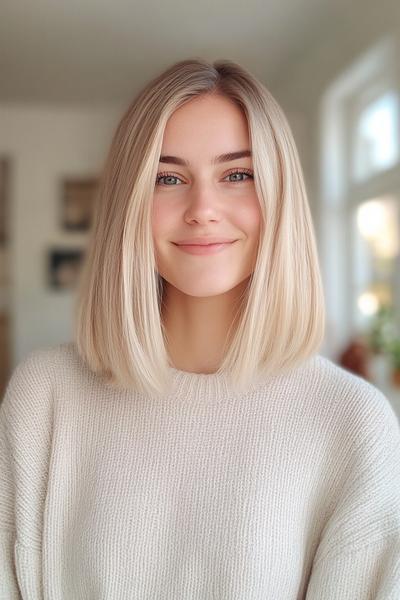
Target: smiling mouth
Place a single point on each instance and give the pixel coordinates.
(204, 248)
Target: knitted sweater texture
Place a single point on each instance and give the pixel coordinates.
(290, 491)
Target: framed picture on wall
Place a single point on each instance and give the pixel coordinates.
(64, 265)
(78, 197)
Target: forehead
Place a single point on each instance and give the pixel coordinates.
(207, 121)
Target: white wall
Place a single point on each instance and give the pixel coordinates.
(45, 145)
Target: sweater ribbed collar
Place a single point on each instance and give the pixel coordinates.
(200, 384)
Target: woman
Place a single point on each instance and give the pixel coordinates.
(191, 442)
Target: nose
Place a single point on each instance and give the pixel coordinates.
(202, 204)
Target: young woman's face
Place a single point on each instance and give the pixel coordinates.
(204, 201)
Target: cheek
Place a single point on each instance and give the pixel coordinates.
(160, 219)
(249, 217)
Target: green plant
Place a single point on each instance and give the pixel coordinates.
(393, 349)
(381, 330)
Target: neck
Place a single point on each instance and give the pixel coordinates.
(198, 328)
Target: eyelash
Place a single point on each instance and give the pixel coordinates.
(244, 171)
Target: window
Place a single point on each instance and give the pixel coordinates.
(360, 207)
(376, 140)
(376, 235)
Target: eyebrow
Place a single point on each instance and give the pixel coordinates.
(175, 160)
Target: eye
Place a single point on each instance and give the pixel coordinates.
(238, 172)
(167, 177)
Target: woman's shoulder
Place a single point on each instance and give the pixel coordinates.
(41, 372)
(356, 399)
(46, 360)
(332, 377)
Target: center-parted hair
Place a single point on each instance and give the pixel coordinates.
(118, 326)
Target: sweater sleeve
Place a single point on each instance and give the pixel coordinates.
(358, 556)
(25, 419)
(8, 577)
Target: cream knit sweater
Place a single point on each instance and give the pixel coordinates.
(288, 492)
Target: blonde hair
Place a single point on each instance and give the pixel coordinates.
(118, 328)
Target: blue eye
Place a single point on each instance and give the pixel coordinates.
(246, 173)
(166, 176)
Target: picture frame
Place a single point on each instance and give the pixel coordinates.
(78, 199)
(64, 265)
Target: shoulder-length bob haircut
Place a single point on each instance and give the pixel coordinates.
(118, 322)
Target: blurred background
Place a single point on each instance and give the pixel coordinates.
(68, 70)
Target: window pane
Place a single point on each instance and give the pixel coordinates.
(376, 273)
(377, 137)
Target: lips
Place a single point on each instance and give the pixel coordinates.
(205, 249)
(204, 241)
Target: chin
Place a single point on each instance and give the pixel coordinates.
(204, 290)
(205, 293)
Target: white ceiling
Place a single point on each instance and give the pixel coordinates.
(67, 51)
